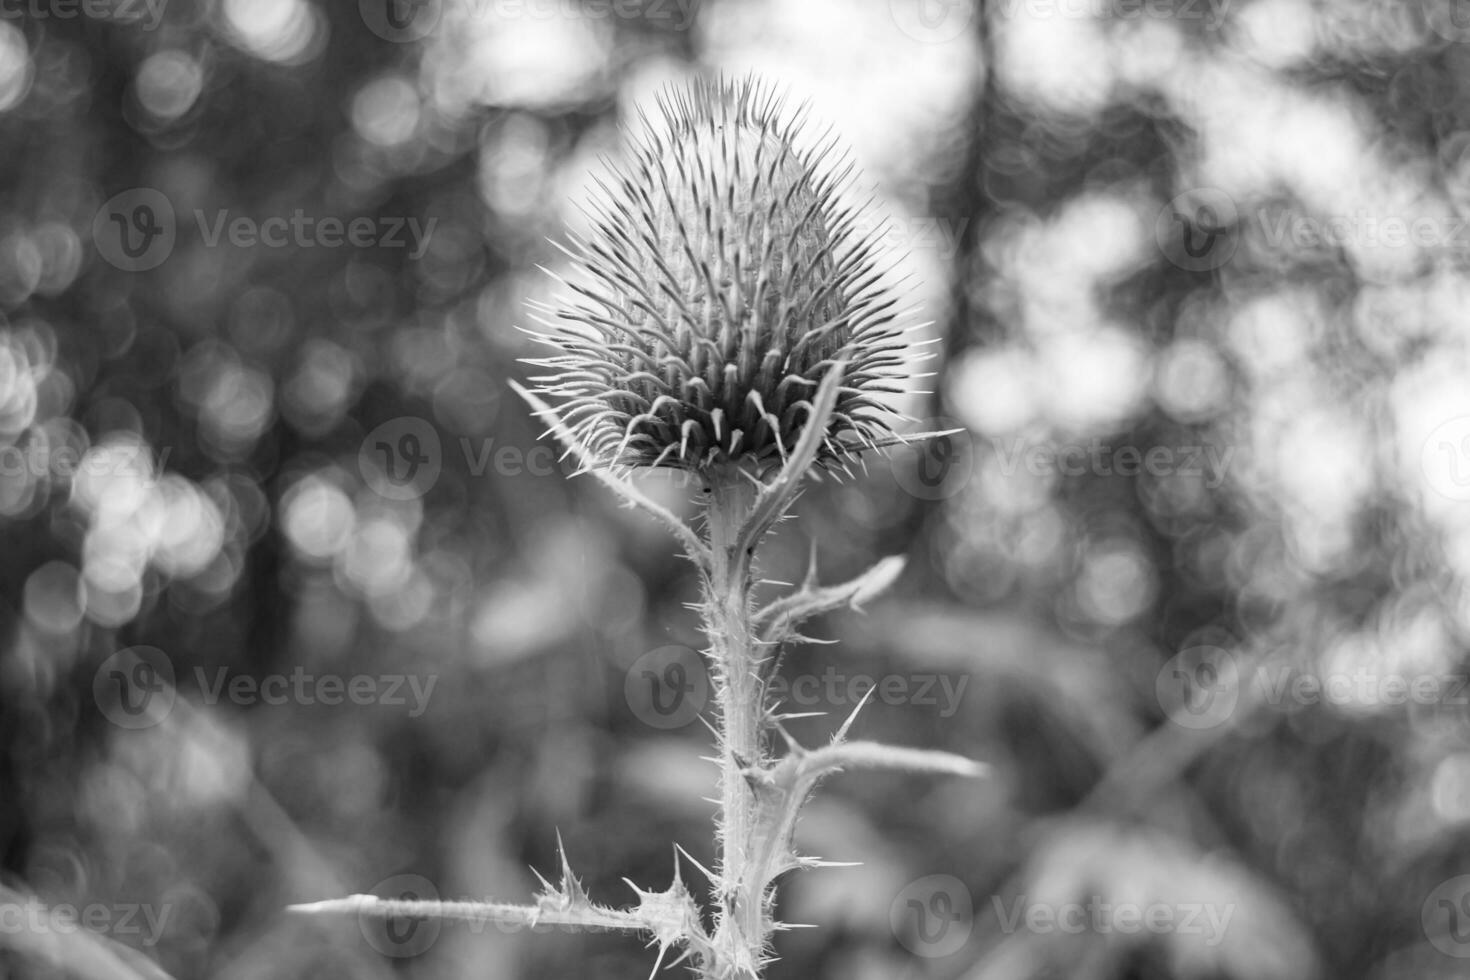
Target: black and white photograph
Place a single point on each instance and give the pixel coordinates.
(734, 489)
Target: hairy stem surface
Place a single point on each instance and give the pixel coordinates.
(736, 655)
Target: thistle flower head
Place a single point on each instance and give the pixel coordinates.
(721, 280)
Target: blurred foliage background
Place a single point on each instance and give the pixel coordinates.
(1161, 225)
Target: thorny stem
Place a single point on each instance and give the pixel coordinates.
(760, 796)
(625, 379)
(734, 650)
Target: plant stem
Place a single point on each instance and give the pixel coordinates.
(739, 692)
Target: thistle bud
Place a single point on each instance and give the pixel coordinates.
(723, 277)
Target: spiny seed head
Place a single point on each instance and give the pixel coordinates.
(721, 280)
